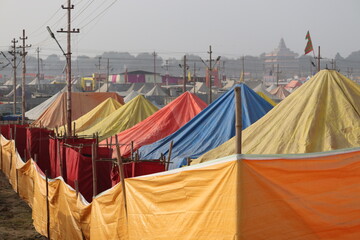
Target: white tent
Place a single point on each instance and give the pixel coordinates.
(156, 91)
(35, 112)
(130, 96)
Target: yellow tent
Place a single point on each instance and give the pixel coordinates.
(322, 115)
(269, 100)
(96, 115)
(123, 118)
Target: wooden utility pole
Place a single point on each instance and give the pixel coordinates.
(14, 65)
(23, 55)
(194, 76)
(277, 75)
(210, 74)
(68, 63)
(38, 68)
(107, 74)
(99, 75)
(154, 55)
(243, 69)
(318, 58)
(184, 69)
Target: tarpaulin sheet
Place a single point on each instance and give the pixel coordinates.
(321, 115)
(123, 118)
(135, 169)
(210, 128)
(57, 154)
(19, 134)
(81, 103)
(36, 112)
(5, 130)
(38, 143)
(91, 118)
(299, 196)
(161, 124)
(79, 167)
(280, 92)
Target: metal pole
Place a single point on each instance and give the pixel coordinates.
(47, 205)
(93, 153)
(238, 125)
(14, 70)
(23, 77)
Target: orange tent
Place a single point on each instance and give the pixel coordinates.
(81, 103)
(162, 123)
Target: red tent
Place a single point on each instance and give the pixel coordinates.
(162, 123)
(293, 84)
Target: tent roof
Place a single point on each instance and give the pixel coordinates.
(322, 115)
(81, 103)
(145, 88)
(210, 128)
(200, 87)
(123, 118)
(280, 92)
(35, 112)
(156, 91)
(261, 90)
(162, 123)
(293, 83)
(130, 96)
(91, 118)
(271, 87)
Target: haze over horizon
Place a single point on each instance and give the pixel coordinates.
(173, 28)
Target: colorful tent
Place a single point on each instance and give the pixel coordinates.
(36, 112)
(210, 128)
(96, 115)
(322, 115)
(293, 84)
(261, 90)
(280, 92)
(81, 103)
(162, 123)
(125, 117)
(271, 87)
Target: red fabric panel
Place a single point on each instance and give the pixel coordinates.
(38, 143)
(53, 157)
(20, 138)
(5, 131)
(79, 166)
(134, 169)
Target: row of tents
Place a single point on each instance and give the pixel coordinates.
(224, 192)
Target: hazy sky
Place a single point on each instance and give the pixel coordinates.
(173, 27)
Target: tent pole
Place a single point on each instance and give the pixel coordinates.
(121, 170)
(238, 125)
(169, 155)
(47, 205)
(93, 158)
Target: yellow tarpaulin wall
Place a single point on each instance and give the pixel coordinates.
(123, 118)
(96, 115)
(303, 196)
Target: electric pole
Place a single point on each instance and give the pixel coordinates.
(318, 58)
(154, 55)
(243, 69)
(98, 78)
(210, 74)
(277, 75)
(23, 55)
(68, 63)
(107, 74)
(185, 67)
(38, 68)
(194, 76)
(13, 53)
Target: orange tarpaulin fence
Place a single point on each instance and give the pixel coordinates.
(302, 196)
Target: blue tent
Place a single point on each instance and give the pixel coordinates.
(210, 128)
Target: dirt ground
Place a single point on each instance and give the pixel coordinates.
(15, 214)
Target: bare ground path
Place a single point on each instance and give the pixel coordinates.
(15, 214)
